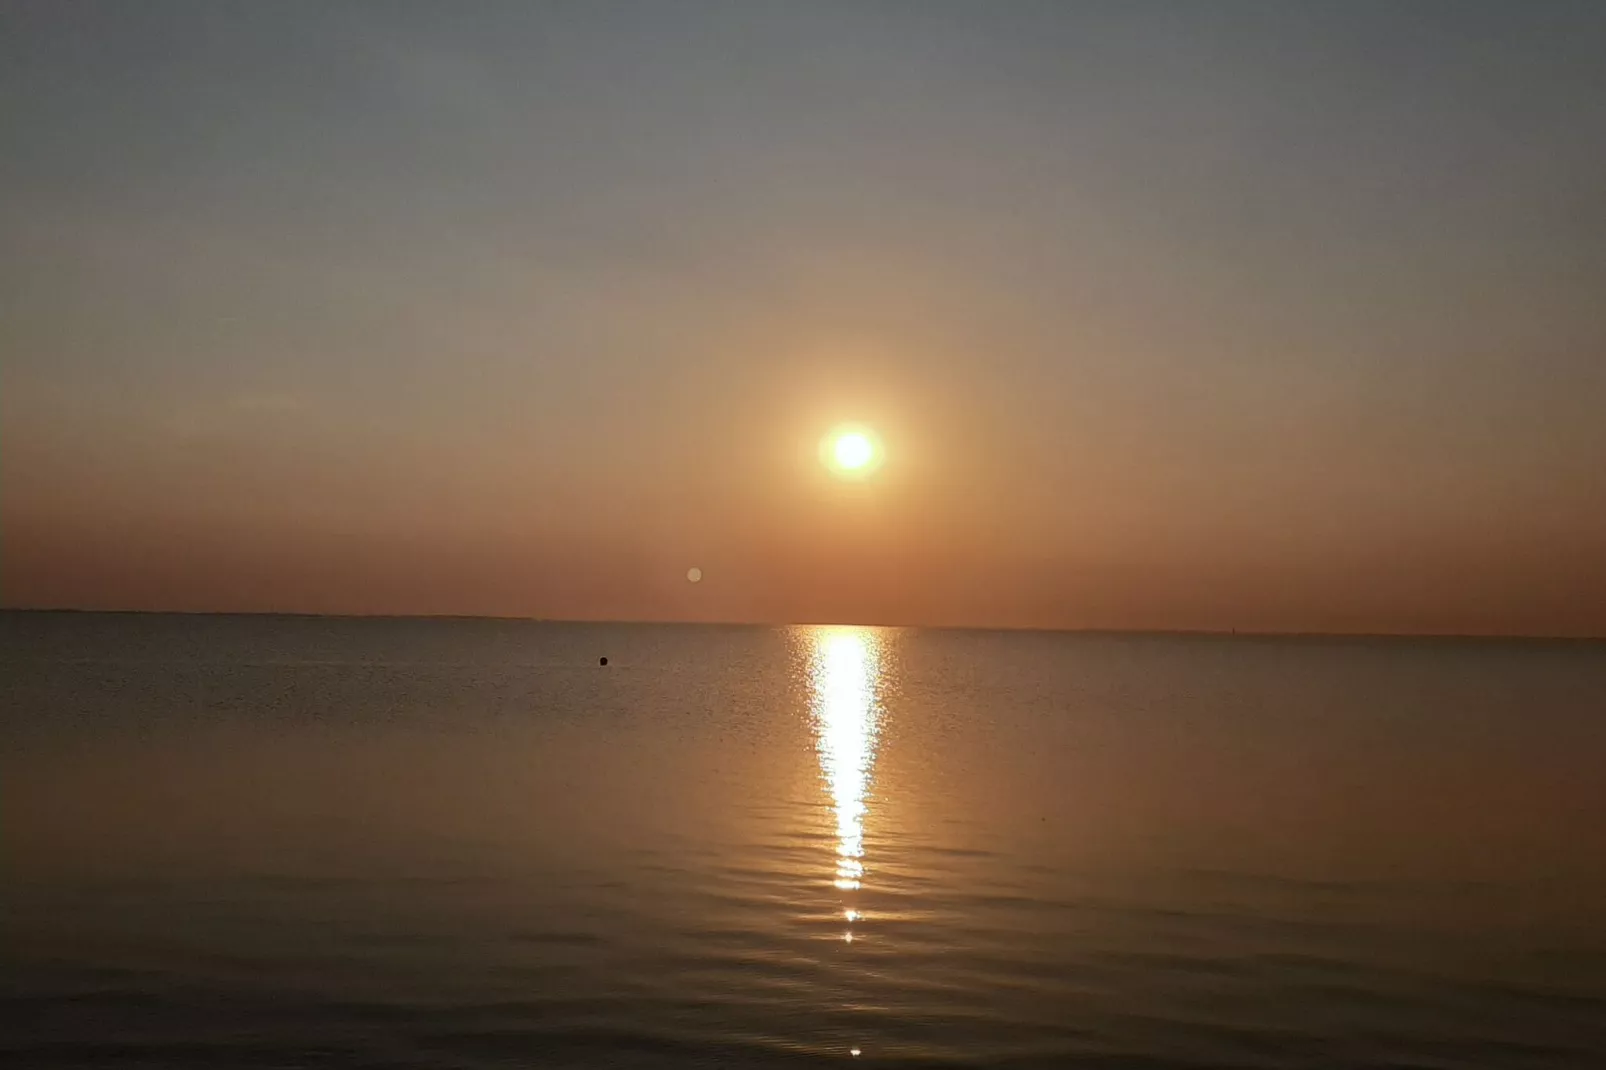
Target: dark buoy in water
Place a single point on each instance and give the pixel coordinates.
(602, 661)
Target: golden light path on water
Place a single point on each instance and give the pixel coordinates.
(845, 677)
(844, 672)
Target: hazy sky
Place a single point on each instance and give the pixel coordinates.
(1286, 316)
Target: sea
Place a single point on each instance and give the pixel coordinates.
(273, 841)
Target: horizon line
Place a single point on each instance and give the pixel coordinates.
(1224, 633)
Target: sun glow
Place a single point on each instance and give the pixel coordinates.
(851, 452)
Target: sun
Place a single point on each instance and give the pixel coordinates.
(851, 452)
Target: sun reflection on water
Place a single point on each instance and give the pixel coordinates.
(844, 671)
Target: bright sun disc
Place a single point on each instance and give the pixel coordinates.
(851, 452)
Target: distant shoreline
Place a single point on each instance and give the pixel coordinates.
(1199, 633)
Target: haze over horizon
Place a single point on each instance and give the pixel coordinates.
(1167, 316)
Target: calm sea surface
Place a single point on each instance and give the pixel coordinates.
(283, 842)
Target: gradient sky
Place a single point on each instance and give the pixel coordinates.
(1256, 316)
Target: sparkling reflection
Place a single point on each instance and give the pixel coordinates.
(844, 671)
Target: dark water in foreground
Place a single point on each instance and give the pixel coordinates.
(271, 842)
